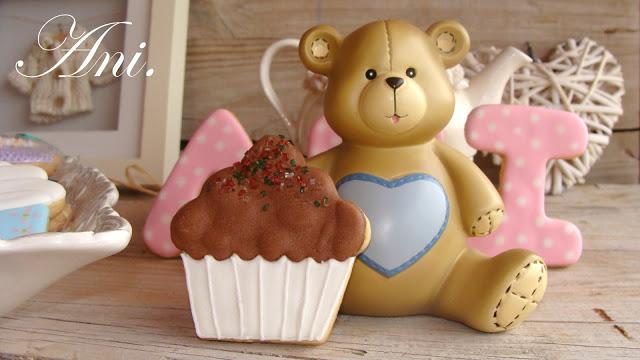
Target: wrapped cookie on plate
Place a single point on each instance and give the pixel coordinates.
(26, 149)
(268, 248)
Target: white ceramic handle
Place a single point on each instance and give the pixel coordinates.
(267, 87)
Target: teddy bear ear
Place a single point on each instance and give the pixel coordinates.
(318, 48)
(451, 39)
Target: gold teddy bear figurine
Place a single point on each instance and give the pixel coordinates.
(388, 97)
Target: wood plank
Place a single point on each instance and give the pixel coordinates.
(619, 161)
(91, 314)
(385, 339)
(224, 73)
(603, 214)
(135, 305)
(227, 38)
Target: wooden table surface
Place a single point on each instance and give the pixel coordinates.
(135, 306)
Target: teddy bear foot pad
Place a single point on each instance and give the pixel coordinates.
(521, 296)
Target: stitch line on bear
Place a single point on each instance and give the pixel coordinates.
(491, 228)
(388, 35)
(509, 292)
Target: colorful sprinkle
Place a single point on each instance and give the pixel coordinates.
(272, 164)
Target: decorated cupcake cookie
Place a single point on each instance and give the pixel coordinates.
(27, 149)
(268, 247)
(29, 203)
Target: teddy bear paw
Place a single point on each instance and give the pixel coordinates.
(521, 296)
(486, 223)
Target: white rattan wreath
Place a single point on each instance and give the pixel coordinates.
(579, 76)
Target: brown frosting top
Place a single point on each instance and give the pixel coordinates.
(270, 204)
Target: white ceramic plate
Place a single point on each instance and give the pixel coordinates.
(31, 263)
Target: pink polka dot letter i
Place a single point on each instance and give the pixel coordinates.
(527, 137)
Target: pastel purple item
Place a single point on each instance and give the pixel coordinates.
(25, 149)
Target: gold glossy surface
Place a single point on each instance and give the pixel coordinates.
(390, 132)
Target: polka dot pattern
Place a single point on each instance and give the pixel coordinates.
(527, 138)
(218, 143)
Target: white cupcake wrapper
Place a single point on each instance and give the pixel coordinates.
(260, 300)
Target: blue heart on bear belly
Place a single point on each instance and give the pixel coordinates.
(407, 215)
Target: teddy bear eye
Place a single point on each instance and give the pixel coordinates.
(370, 74)
(411, 72)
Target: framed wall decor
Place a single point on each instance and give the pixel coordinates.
(134, 119)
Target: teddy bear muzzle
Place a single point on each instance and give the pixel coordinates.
(391, 105)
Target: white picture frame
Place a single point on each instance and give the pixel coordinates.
(150, 108)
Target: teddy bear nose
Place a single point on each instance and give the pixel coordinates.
(394, 82)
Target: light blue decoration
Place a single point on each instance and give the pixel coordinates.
(407, 215)
(22, 221)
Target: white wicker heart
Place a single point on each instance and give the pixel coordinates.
(31, 263)
(579, 76)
